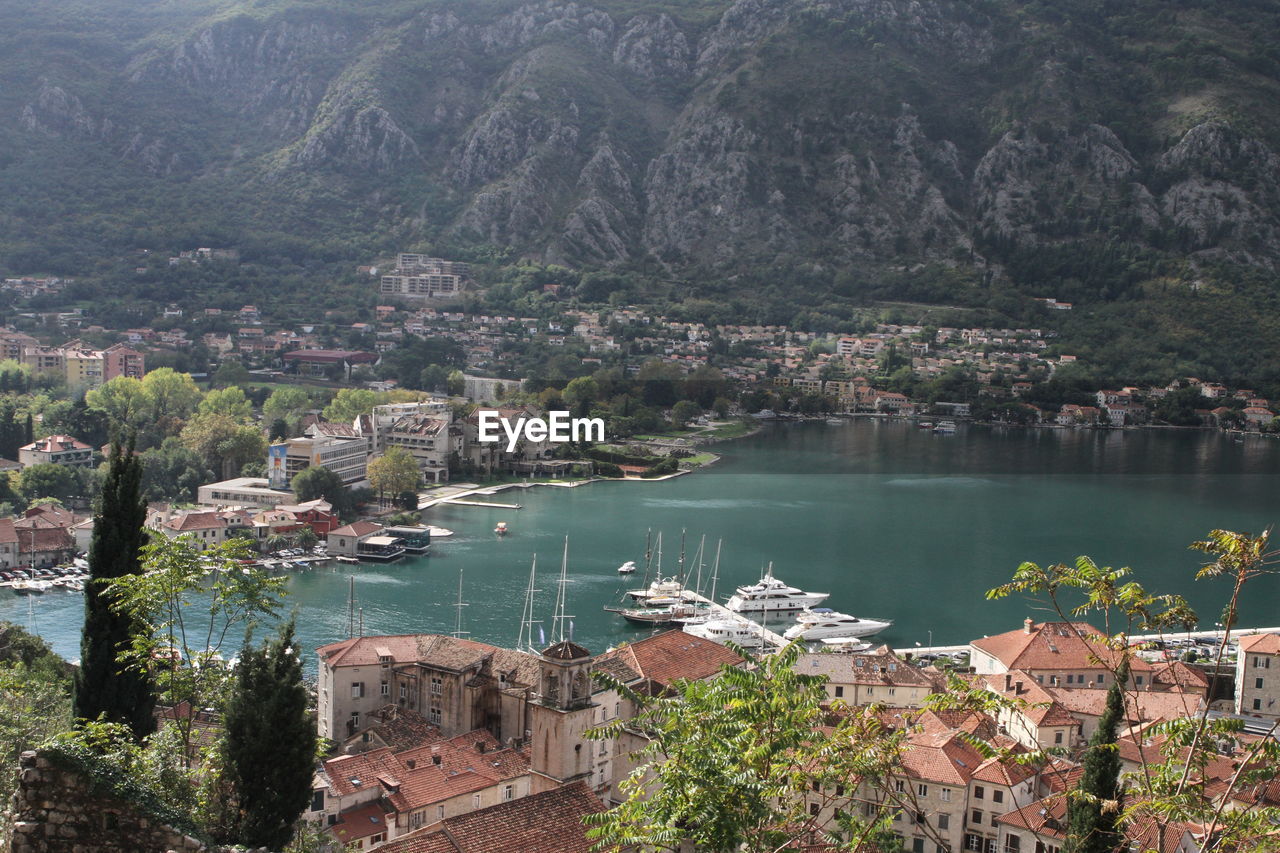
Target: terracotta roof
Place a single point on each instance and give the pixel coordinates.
(1047, 817)
(357, 528)
(1003, 772)
(673, 655)
(361, 823)
(943, 758)
(1263, 644)
(8, 533)
(549, 822)
(1054, 645)
(196, 521)
(565, 651)
(877, 667)
(1043, 708)
(1142, 706)
(1176, 674)
(47, 515)
(42, 540)
(398, 729)
(56, 444)
(436, 651)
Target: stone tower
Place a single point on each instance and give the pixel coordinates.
(560, 714)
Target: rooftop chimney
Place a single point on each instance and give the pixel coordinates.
(1027, 625)
(1008, 682)
(1017, 688)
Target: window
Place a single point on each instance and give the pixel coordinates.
(439, 812)
(840, 691)
(979, 792)
(976, 817)
(433, 716)
(814, 808)
(1102, 678)
(839, 790)
(871, 691)
(892, 691)
(508, 792)
(944, 821)
(404, 691)
(997, 796)
(990, 846)
(1257, 682)
(1257, 704)
(922, 790)
(317, 801)
(357, 690)
(917, 845)
(1012, 844)
(1071, 679)
(900, 786)
(1057, 737)
(919, 817)
(972, 842)
(1138, 681)
(436, 686)
(993, 818)
(386, 689)
(945, 795)
(475, 801)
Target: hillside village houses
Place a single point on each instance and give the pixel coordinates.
(435, 728)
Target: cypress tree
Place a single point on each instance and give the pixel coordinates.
(1091, 827)
(104, 687)
(270, 742)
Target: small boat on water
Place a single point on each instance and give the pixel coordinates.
(925, 425)
(945, 427)
(501, 529)
(844, 644)
(823, 622)
(770, 595)
(342, 558)
(627, 568)
(438, 532)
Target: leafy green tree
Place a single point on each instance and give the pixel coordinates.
(171, 396)
(173, 472)
(47, 480)
(124, 402)
(231, 373)
(271, 742)
(456, 383)
(394, 472)
(306, 538)
(188, 604)
(733, 763)
(685, 411)
(287, 404)
(1093, 808)
(107, 687)
(223, 441)
(227, 401)
(350, 403)
(316, 482)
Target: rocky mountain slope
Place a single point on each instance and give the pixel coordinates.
(692, 135)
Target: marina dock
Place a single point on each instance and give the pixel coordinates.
(490, 504)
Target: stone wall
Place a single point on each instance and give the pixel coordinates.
(55, 811)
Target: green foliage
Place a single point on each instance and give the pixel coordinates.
(106, 688)
(394, 472)
(270, 743)
(173, 472)
(350, 403)
(48, 480)
(669, 465)
(227, 401)
(1095, 806)
(288, 404)
(225, 442)
(730, 764)
(186, 605)
(317, 482)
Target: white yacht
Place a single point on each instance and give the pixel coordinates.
(627, 568)
(722, 631)
(824, 622)
(771, 595)
(661, 589)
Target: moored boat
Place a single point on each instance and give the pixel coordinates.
(723, 631)
(820, 622)
(770, 595)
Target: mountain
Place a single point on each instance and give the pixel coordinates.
(1078, 147)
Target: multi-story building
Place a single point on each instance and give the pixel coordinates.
(1056, 654)
(336, 447)
(120, 360)
(57, 450)
(1258, 675)
(423, 277)
(878, 675)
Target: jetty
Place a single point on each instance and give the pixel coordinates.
(490, 504)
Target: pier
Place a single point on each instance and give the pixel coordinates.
(490, 504)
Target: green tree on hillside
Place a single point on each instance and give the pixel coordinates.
(316, 482)
(227, 401)
(286, 404)
(350, 403)
(105, 686)
(394, 472)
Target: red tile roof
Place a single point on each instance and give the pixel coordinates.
(196, 521)
(549, 822)
(357, 528)
(1056, 646)
(361, 823)
(943, 758)
(673, 655)
(1263, 644)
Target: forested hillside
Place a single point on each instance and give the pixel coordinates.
(767, 156)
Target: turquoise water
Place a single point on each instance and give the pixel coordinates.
(893, 521)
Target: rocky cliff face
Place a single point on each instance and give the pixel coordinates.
(852, 130)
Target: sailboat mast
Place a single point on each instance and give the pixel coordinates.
(558, 619)
(351, 609)
(697, 586)
(525, 639)
(680, 568)
(715, 571)
(457, 620)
